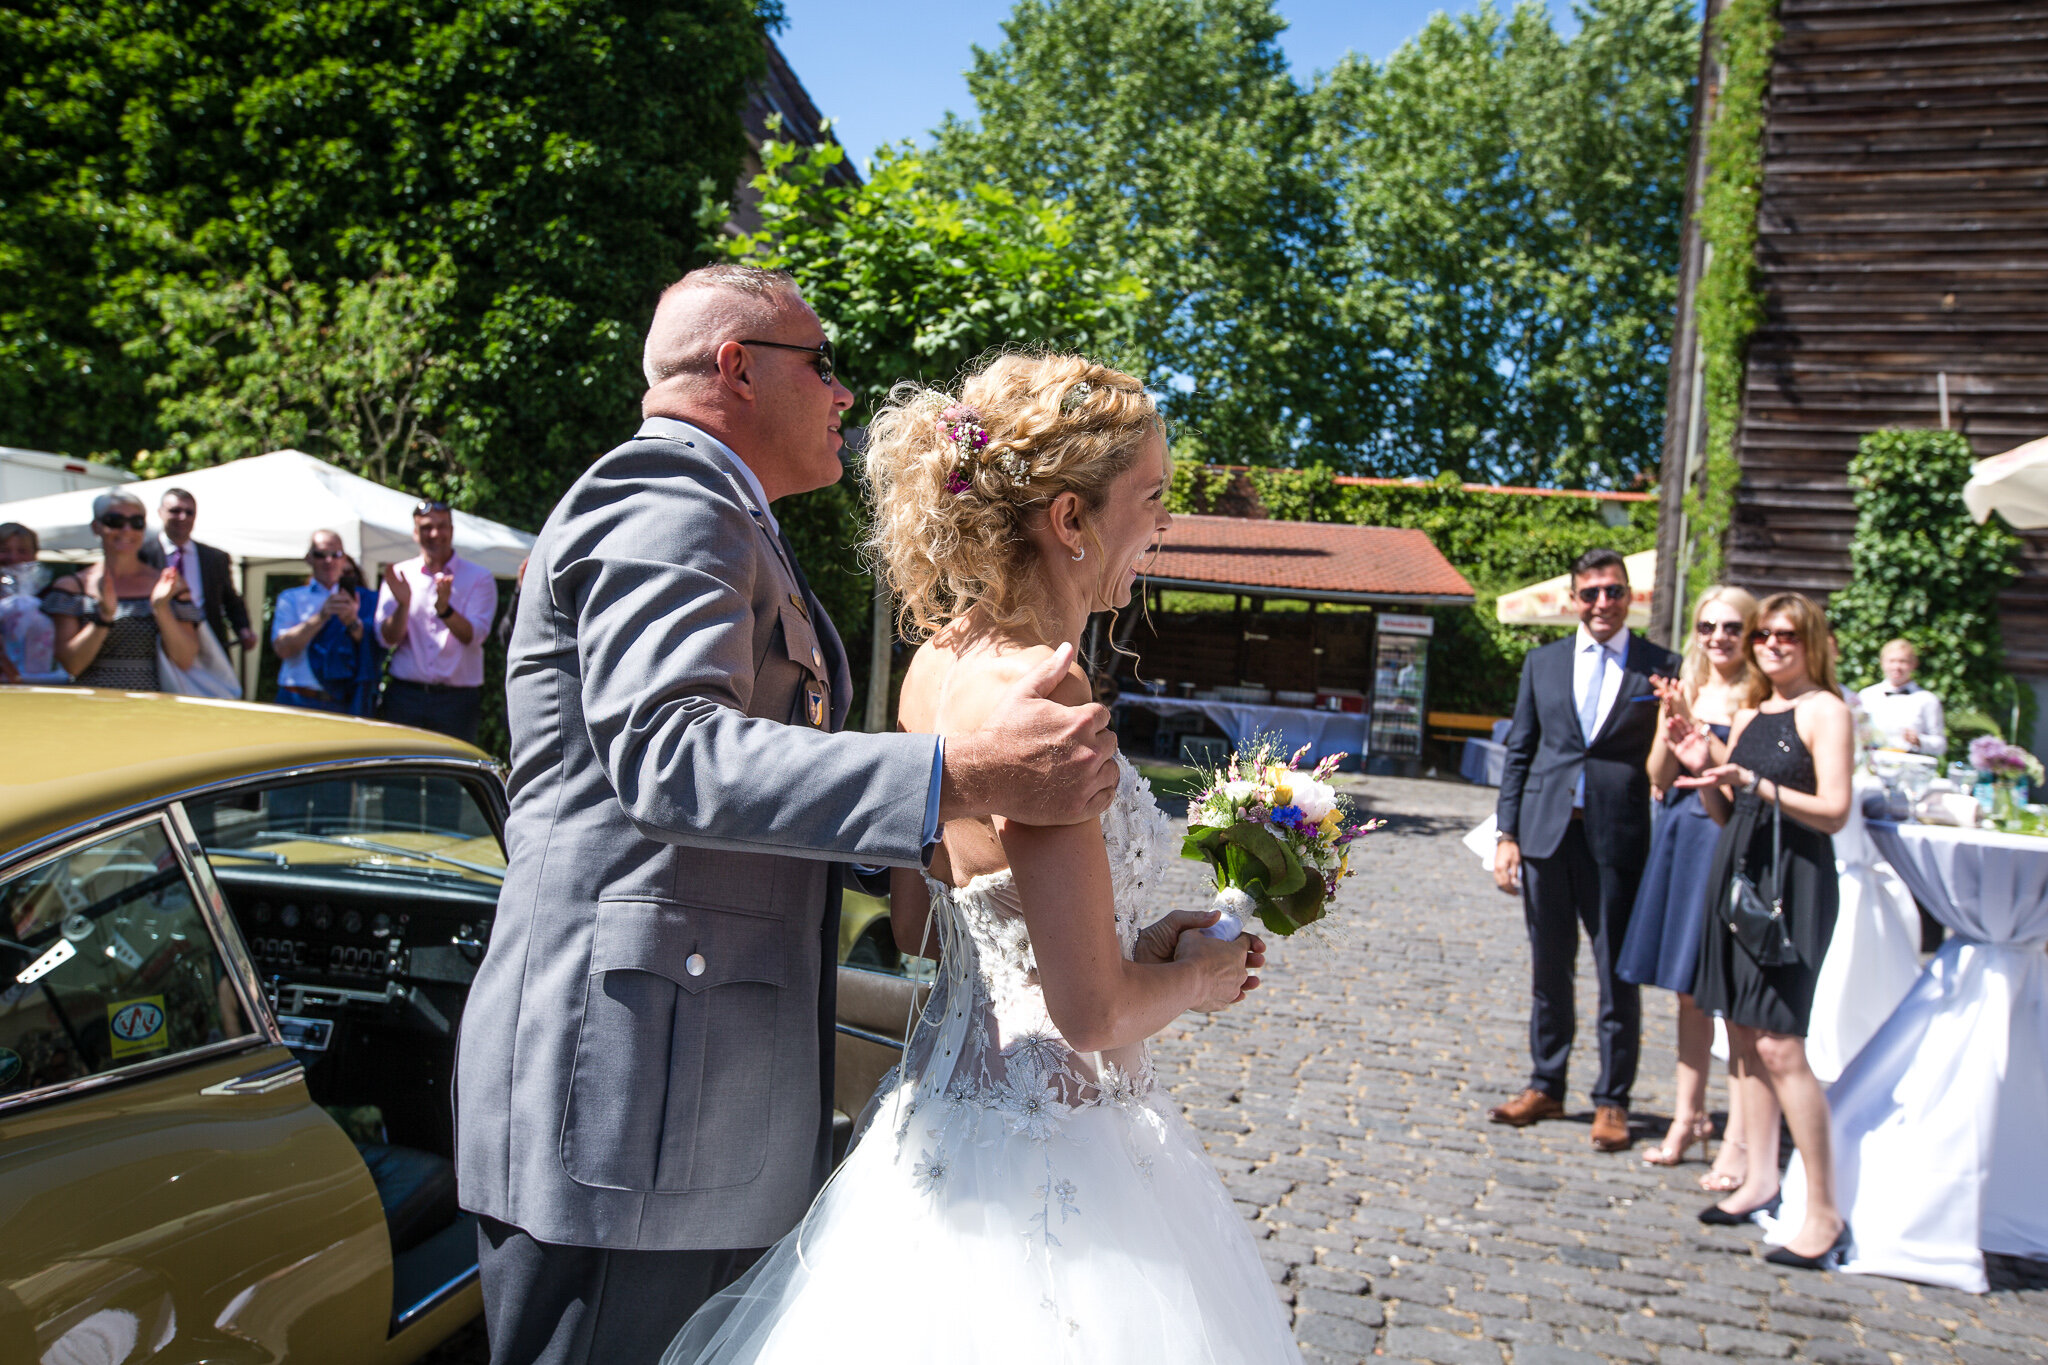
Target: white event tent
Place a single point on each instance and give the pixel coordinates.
(263, 510)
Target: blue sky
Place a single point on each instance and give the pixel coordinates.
(890, 69)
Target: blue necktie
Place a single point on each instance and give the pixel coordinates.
(1589, 706)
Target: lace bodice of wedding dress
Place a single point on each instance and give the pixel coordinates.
(985, 1038)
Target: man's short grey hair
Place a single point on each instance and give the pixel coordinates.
(107, 502)
(666, 354)
(170, 493)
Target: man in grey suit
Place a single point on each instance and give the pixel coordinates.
(644, 1082)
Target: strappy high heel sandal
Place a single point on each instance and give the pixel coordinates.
(1663, 1154)
(1724, 1182)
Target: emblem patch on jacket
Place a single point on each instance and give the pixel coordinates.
(814, 703)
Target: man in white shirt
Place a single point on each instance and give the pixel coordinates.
(1904, 714)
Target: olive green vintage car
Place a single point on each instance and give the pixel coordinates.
(237, 943)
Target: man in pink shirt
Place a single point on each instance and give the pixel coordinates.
(433, 616)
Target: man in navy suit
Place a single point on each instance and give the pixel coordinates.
(1574, 821)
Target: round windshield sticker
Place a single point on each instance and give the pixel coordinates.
(10, 1068)
(137, 1025)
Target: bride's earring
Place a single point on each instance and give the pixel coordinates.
(1080, 555)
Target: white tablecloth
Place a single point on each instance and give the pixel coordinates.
(1939, 1120)
(1873, 958)
(1328, 732)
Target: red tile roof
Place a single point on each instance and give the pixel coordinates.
(1306, 558)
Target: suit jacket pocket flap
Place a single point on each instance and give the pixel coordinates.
(693, 947)
(802, 641)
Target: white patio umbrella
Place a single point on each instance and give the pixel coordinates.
(1549, 603)
(2014, 485)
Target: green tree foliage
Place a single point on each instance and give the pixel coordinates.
(1185, 152)
(1922, 570)
(353, 375)
(550, 152)
(1499, 541)
(912, 282)
(1511, 203)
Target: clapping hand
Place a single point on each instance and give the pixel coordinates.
(1671, 692)
(400, 590)
(170, 586)
(444, 583)
(1690, 741)
(1159, 941)
(1732, 773)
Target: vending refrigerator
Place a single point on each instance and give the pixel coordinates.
(1400, 684)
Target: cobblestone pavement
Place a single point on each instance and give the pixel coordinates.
(1345, 1106)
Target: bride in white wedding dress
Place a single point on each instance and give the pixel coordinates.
(1020, 1191)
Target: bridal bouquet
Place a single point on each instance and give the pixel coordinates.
(1277, 837)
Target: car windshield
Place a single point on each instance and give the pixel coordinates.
(373, 824)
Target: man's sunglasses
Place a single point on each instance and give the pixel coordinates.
(821, 355)
(115, 522)
(1782, 638)
(1613, 592)
(425, 506)
(327, 554)
(1707, 630)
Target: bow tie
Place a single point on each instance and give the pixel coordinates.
(1898, 691)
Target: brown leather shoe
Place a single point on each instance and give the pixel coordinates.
(1610, 1129)
(1531, 1106)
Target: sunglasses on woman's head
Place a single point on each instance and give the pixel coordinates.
(1613, 592)
(114, 522)
(1708, 629)
(1783, 638)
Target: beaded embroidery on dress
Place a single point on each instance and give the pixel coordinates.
(1011, 1198)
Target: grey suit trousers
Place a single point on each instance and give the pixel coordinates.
(564, 1305)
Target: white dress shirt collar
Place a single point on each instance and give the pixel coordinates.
(1616, 644)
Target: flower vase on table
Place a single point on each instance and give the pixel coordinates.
(2006, 765)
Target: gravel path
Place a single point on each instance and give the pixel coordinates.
(1345, 1106)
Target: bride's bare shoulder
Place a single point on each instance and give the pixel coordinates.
(955, 685)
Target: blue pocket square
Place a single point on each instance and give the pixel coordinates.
(1647, 696)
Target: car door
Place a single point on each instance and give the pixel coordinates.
(168, 1190)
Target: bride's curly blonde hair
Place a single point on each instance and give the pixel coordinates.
(952, 478)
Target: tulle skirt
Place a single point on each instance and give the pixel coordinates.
(973, 1233)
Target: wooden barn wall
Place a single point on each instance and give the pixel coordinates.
(1902, 234)
(1285, 650)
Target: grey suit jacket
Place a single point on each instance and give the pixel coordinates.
(644, 1059)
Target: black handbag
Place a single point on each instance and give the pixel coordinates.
(1759, 925)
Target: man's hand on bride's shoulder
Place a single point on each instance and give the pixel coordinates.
(1159, 942)
(1044, 756)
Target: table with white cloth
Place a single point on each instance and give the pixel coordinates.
(1873, 957)
(1325, 732)
(1939, 1119)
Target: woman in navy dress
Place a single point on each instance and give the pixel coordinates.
(1663, 943)
(1789, 756)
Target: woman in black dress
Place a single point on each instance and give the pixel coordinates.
(1791, 755)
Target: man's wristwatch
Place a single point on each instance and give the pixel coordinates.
(444, 612)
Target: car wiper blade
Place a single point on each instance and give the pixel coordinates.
(390, 850)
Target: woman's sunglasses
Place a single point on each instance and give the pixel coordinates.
(1706, 630)
(116, 522)
(1784, 639)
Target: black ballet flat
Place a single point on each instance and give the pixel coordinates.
(1719, 1217)
(1831, 1259)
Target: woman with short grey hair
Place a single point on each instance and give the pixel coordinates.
(111, 618)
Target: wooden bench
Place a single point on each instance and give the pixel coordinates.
(1455, 726)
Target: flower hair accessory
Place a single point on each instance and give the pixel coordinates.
(962, 426)
(1076, 396)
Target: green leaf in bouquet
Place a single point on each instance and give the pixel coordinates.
(1202, 844)
(1285, 914)
(1282, 870)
